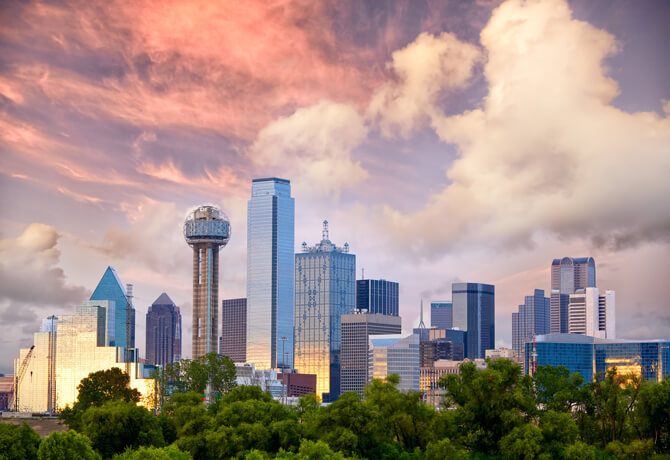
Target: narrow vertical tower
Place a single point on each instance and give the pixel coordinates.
(206, 229)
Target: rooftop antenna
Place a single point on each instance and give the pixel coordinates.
(421, 323)
(362, 273)
(324, 234)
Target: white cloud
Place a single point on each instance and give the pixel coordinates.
(313, 147)
(548, 151)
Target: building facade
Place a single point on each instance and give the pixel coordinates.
(592, 356)
(377, 297)
(270, 272)
(325, 289)
(442, 315)
(474, 313)
(590, 313)
(163, 331)
(297, 385)
(567, 275)
(401, 356)
(120, 312)
(233, 343)
(533, 318)
(206, 229)
(355, 353)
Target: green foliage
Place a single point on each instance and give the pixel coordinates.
(523, 442)
(640, 448)
(66, 446)
(154, 453)
(558, 431)
(614, 399)
(653, 414)
(97, 389)
(444, 448)
(119, 425)
(18, 441)
(557, 389)
(311, 450)
(579, 451)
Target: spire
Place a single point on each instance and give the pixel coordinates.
(324, 234)
(421, 323)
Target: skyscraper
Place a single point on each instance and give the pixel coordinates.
(234, 329)
(377, 296)
(442, 315)
(531, 320)
(590, 313)
(474, 312)
(206, 229)
(120, 321)
(270, 271)
(356, 331)
(397, 355)
(163, 331)
(567, 275)
(325, 289)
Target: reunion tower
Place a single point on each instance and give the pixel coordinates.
(206, 229)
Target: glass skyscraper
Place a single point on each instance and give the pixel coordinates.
(377, 297)
(474, 312)
(325, 289)
(270, 271)
(531, 320)
(120, 312)
(567, 275)
(442, 315)
(163, 331)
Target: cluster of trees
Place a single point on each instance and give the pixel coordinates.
(492, 413)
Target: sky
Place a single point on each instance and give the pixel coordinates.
(443, 140)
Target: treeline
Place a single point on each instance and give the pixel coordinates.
(488, 413)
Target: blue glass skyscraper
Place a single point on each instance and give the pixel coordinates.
(474, 312)
(120, 313)
(377, 297)
(442, 315)
(532, 319)
(270, 270)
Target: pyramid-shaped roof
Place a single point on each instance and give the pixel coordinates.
(163, 299)
(110, 287)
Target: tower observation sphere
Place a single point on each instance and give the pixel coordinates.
(206, 229)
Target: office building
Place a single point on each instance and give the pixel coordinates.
(429, 378)
(592, 356)
(455, 336)
(377, 297)
(270, 271)
(533, 318)
(442, 315)
(325, 289)
(297, 385)
(397, 355)
(474, 313)
(6, 392)
(355, 353)
(163, 331)
(590, 313)
(567, 275)
(120, 321)
(206, 229)
(233, 340)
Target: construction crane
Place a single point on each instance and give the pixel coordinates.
(19, 376)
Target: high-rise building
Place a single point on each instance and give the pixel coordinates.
(356, 331)
(163, 331)
(206, 229)
(397, 355)
(234, 329)
(533, 318)
(325, 289)
(120, 321)
(567, 275)
(593, 356)
(589, 313)
(270, 271)
(474, 312)
(377, 297)
(442, 315)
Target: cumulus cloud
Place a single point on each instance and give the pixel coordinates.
(314, 146)
(29, 271)
(547, 151)
(423, 70)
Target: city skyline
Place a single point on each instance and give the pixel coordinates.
(446, 142)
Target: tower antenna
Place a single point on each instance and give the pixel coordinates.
(421, 323)
(324, 234)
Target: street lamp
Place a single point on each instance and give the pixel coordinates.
(283, 364)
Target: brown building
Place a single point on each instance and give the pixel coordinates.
(298, 384)
(233, 341)
(6, 392)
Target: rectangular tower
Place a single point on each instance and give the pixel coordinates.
(474, 312)
(325, 289)
(441, 315)
(234, 329)
(163, 331)
(531, 320)
(270, 271)
(567, 275)
(377, 297)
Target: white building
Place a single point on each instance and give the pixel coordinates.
(592, 314)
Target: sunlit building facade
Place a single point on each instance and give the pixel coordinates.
(474, 313)
(270, 274)
(592, 356)
(325, 289)
(163, 331)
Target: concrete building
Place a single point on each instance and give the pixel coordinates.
(325, 289)
(429, 378)
(206, 229)
(163, 331)
(233, 341)
(474, 313)
(589, 313)
(355, 355)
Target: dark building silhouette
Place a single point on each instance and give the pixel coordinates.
(233, 340)
(474, 313)
(163, 331)
(377, 297)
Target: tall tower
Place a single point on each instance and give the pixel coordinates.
(270, 268)
(474, 312)
(206, 229)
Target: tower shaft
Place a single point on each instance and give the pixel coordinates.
(205, 298)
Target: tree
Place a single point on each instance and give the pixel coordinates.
(653, 414)
(18, 441)
(558, 430)
(120, 425)
(579, 451)
(311, 450)
(557, 389)
(523, 442)
(97, 389)
(615, 397)
(65, 446)
(444, 448)
(154, 453)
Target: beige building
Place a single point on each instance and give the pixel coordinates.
(429, 378)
